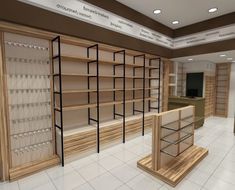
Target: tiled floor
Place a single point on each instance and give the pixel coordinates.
(115, 168)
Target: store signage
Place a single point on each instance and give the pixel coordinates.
(86, 12)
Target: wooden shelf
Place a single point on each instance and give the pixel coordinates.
(106, 76)
(102, 90)
(102, 104)
(83, 59)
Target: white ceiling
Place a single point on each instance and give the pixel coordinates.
(212, 57)
(185, 11)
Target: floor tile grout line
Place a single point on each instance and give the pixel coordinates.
(51, 180)
(217, 167)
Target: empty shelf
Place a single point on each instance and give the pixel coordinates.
(101, 104)
(102, 90)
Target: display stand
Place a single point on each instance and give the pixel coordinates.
(173, 151)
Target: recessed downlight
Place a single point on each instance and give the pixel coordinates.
(157, 11)
(222, 55)
(229, 58)
(212, 10)
(190, 59)
(175, 22)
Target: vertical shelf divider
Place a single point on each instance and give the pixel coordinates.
(123, 115)
(159, 83)
(143, 94)
(59, 93)
(97, 120)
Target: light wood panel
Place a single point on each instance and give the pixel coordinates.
(209, 95)
(222, 89)
(166, 70)
(4, 153)
(173, 153)
(34, 167)
(79, 142)
(178, 168)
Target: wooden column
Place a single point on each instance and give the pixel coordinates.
(166, 67)
(4, 156)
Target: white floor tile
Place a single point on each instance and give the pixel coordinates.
(34, 181)
(225, 175)
(9, 186)
(185, 185)
(217, 184)
(105, 182)
(124, 172)
(46, 186)
(91, 171)
(69, 181)
(199, 177)
(140, 149)
(59, 171)
(124, 187)
(142, 182)
(125, 155)
(81, 162)
(85, 186)
(110, 162)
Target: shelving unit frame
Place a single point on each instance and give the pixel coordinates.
(143, 92)
(142, 67)
(45, 35)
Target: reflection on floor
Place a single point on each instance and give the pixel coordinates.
(115, 168)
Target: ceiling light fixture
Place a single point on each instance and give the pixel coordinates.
(175, 22)
(222, 55)
(157, 11)
(212, 10)
(229, 58)
(190, 59)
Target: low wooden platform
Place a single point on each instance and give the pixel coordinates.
(177, 169)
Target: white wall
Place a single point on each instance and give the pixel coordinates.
(231, 108)
(208, 68)
(203, 66)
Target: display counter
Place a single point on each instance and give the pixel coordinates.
(175, 102)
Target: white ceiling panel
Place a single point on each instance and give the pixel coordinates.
(185, 11)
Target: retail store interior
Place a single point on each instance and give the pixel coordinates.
(117, 95)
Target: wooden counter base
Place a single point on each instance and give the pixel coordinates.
(176, 170)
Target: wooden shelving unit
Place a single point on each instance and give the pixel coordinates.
(209, 95)
(222, 89)
(130, 82)
(174, 154)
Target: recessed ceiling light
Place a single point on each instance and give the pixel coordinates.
(222, 55)
(190, 59)
(175, 22)
(229, 58)
(212, 10)
(157, 11)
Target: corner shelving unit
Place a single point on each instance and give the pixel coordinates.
(68, 145)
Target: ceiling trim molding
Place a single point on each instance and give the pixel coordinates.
(133, 15)
(216, 22)
(225, 45)
(95, 15)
